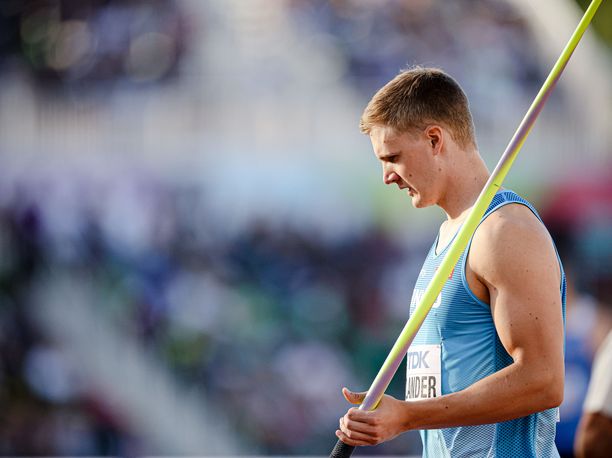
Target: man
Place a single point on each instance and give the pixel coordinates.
(485, 372)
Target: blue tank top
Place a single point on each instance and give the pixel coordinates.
(457, 346)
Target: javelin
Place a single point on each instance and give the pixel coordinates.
(399, 349)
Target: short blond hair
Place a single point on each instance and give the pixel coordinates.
(417, 97)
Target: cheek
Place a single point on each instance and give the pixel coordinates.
(406, 170)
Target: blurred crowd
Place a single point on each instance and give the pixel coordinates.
(92, 42)
(578, 213)
(87, 43)
(377, 39)
(268, 319)
(271, 321)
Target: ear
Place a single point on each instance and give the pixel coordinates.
(435, 136)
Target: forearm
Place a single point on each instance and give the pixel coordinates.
(515, 391)
(512, 392)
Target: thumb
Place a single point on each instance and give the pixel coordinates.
(353, 397)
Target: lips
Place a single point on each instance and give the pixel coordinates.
(409, 188)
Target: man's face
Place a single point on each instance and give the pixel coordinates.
(408, 161)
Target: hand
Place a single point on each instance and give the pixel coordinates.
(360, 427)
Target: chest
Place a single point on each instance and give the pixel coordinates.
(456, 311)
(446, 235)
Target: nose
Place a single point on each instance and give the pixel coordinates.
(390, 177)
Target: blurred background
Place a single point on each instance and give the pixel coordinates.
(196, 247)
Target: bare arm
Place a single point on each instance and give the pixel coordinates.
(594, 436)
(514, 261)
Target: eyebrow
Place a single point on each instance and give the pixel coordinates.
(387, 156)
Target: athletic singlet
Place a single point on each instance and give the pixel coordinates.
(457, 346)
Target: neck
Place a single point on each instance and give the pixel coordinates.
(463, 186)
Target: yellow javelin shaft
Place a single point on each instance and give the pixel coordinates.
(398, 351)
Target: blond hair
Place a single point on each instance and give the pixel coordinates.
(417, 97)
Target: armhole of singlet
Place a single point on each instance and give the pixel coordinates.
(467, 250)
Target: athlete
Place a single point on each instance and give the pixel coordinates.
(485, 372)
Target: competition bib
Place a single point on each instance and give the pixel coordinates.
(423, 374)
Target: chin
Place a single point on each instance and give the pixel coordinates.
(417, 202)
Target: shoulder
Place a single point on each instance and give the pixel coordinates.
(511, 241)
(511, 221)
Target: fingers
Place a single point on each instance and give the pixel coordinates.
(353, 397)
(358, 427)
(352, 424)
(356, 433)
(361, 416)
(354, 442)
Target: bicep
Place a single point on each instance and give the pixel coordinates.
(528, 319)
(517, 263)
